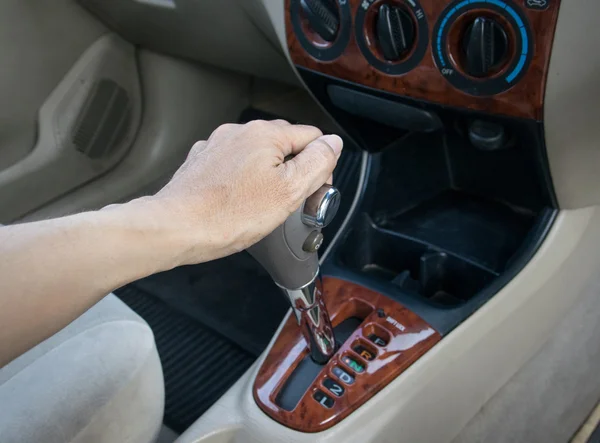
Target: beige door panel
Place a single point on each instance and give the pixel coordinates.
(183, 103)
(39, 42)
(85, 127)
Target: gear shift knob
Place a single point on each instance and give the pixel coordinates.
(289, 254)
(321, 207)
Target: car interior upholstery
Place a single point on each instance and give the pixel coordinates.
(461, 272)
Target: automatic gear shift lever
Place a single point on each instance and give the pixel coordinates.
(289, 254)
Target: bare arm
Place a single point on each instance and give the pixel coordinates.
(232, 190)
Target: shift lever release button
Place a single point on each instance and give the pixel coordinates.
(313, 242)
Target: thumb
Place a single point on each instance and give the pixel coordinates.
(312, 166)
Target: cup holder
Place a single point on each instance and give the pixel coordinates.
(414, 266)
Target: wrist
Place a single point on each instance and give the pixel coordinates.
(160, 229)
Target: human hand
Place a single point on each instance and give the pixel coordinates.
(235, 188)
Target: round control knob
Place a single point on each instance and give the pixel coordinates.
(485, 47)
(395, 32)
(323, 17)
(320, 208)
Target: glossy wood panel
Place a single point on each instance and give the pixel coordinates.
(408, 340)
(425, 82)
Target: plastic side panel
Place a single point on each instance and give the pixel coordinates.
(231, 34)
(55, 166)
(183, 103)
(572, 105)
(39, 42)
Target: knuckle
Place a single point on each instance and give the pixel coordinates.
(317, 131)
(196, 149)
(223, 129)
(199, 145)
(258, 125)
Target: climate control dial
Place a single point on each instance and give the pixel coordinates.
(323, 17)
(392, 34)
(485, 47)
(395, 31)
(482, 47)
(323, 27)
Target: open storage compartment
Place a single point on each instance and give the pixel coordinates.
(415, 266)
(446, 250)
(442, 220)
(450, 210)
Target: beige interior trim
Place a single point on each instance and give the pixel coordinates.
(38, 47)
(588, 428)
(41, 176)
(183, 103)
(438, 395)
(275, 10)
(231, 34)
(572, 105)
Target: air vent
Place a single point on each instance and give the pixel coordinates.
(104, 120)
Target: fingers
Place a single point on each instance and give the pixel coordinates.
(314, 164)
(296, 136)
(290, 139)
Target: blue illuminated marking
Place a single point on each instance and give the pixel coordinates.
(461, 4)
(514, 14)
(525, 39)
(518, 69)
(497, 3)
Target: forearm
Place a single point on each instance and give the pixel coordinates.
(52, 271)
(233, 189)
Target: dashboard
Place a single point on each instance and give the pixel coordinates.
(485, 55)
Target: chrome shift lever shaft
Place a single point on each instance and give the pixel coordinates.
(310, 311)
(289, 254)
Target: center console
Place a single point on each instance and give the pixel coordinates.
(378, 339)
(454, 197)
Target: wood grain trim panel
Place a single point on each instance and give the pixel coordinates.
(425, 82)
(408, 340)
